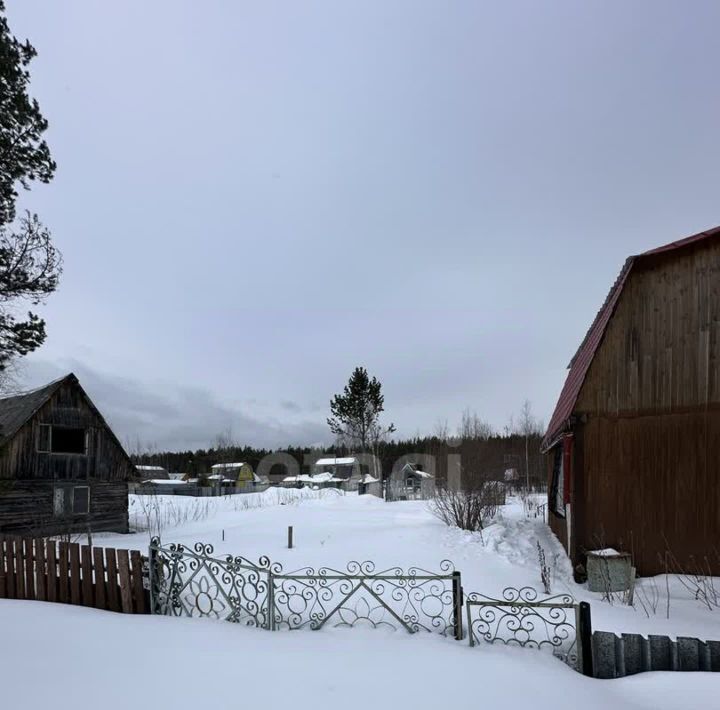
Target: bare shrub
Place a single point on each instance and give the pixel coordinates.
(647, 597)
(701, 583)
(466, 509)
(152, 513)
(545, 570)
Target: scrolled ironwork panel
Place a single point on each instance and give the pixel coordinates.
(523, 618)
(414, 599)
(192, 582)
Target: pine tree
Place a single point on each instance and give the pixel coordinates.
(356, 412)
(30, 265)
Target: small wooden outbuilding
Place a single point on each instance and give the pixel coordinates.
(62, 470)
(633, 447)
(409, 482)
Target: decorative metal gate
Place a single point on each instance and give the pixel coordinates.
(520, 618)
(192, 582)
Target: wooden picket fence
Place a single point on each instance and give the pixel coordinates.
(47, 570)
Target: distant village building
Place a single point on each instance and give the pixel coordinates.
(237, 475)
(62, 469)
(345, 469)
(409, 482)
(315, 480)
(234, 473)
(148, 473)
(633, 446)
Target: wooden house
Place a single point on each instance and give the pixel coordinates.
(346, 468)
(62, 469)
(151, 473)
(409, 482)
(233, 474)
(633, 447)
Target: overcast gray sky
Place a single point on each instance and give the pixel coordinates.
(254, 198)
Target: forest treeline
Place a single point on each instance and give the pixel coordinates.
(485, 457)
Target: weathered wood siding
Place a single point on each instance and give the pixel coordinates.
(649, 417)
(661, 350)
(26, 508)
(27, 476)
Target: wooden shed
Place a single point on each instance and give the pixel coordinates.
(633, 447)
(62, 470)
(409, 482)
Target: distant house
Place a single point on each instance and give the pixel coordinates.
(148, 473)
(408, 482)
(633, 446)
(62, 469)
(346, 468)
(315, 480)
(235, 474)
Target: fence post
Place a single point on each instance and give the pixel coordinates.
(457, 605)
(271, 601)
(584, 639)
(290, 537)
(152, 569)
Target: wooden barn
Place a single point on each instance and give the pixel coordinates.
(62, 469)
(633, 447)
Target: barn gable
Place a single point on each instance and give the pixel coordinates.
(638, 419)
(583, 358)
(61, 466)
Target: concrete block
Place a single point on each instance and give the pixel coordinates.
(634, 654)
(704, 656)
(660, 653)
(604, 654)
(688, 654)
(714, 653)
(608, 572)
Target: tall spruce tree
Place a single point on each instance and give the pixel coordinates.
(30, 265)
(356, 412)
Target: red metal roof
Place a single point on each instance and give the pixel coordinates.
(580, 364)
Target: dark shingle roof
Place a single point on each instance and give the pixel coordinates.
(580, 364)
(17, 409)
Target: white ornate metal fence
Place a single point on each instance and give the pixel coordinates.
(193, 582)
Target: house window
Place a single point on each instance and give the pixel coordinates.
(71, 500)
(62, 440)
(81, 500)
(557, 487)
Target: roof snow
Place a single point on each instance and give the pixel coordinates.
(325, 477)
(149, 468)
(347, 461)
(423, 474)
(226, 466)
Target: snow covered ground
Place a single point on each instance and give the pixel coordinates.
(331, 529)
(135, 661)
(89, 659)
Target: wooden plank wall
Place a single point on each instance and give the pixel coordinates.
(47, 570)
(649, 420)
(661, 351)
(652, 488)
